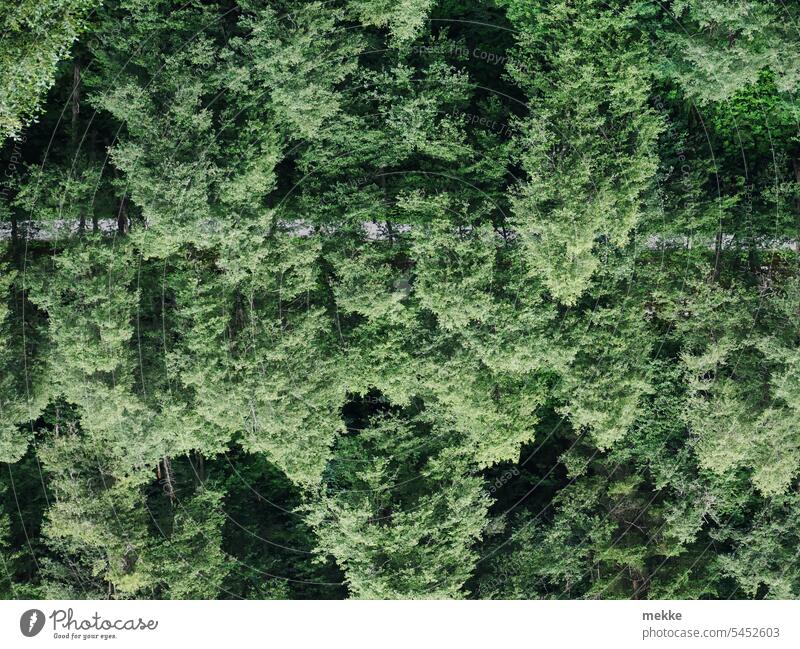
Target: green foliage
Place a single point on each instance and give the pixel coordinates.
(404, 19)
(399, 520)
(190, 562)
(399, 300)
(724, 45)
(587, 145)
(36, 37)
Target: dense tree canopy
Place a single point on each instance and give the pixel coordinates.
(413, 299)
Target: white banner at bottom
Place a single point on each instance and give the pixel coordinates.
(377, 624)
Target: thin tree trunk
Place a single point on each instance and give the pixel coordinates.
(717, 254)
(76, 109)
(168, 484)
(76, 99)
(797, 180)
(122, 217)
(199, 465)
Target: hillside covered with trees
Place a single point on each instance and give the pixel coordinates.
(413, 299)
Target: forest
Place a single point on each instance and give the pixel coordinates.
(399, 299)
